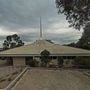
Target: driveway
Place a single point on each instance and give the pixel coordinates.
(43, 79)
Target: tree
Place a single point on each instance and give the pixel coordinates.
(84, 41)
(12, 41)
(45, 57)
(9, 39)
(60, 61)
(20, 43)
(5, 45)
(77, 11)
(71, 44)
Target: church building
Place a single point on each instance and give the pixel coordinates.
(21, 56)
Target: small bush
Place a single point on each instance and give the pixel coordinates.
(34, 63)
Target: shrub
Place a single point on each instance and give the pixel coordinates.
(82, 62)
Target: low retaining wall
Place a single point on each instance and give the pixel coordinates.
(15, 80)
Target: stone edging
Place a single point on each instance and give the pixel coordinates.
(15, 80)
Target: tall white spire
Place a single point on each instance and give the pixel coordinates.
(40, 28)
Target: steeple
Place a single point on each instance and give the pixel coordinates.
(40, 29)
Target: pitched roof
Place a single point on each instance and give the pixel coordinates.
(39, 45)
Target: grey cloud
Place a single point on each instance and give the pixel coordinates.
(25, 13)
(2, 38)
(18, 15)
(63, 38)
(29, 37)
(57, 38)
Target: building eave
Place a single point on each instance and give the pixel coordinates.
(62, 54)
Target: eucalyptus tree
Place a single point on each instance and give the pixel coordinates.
(77, 12)
(5, 45)
(84, 41)
(12, 41)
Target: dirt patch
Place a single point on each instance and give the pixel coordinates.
(6, 80)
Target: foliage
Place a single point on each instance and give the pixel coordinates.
(71, 44)
(82, 62)
(12, 41)
(33, 63)
(77, 11)
(84, 41)
(44, 57)
(60, 61)
(50, 41)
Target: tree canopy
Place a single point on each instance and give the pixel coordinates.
(45, 57)
(12, 41)
(77, 11)
(84, 41)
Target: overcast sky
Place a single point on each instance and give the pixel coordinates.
(23, 17)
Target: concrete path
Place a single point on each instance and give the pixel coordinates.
(39, 79)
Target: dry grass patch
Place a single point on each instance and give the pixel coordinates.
(6, 79)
